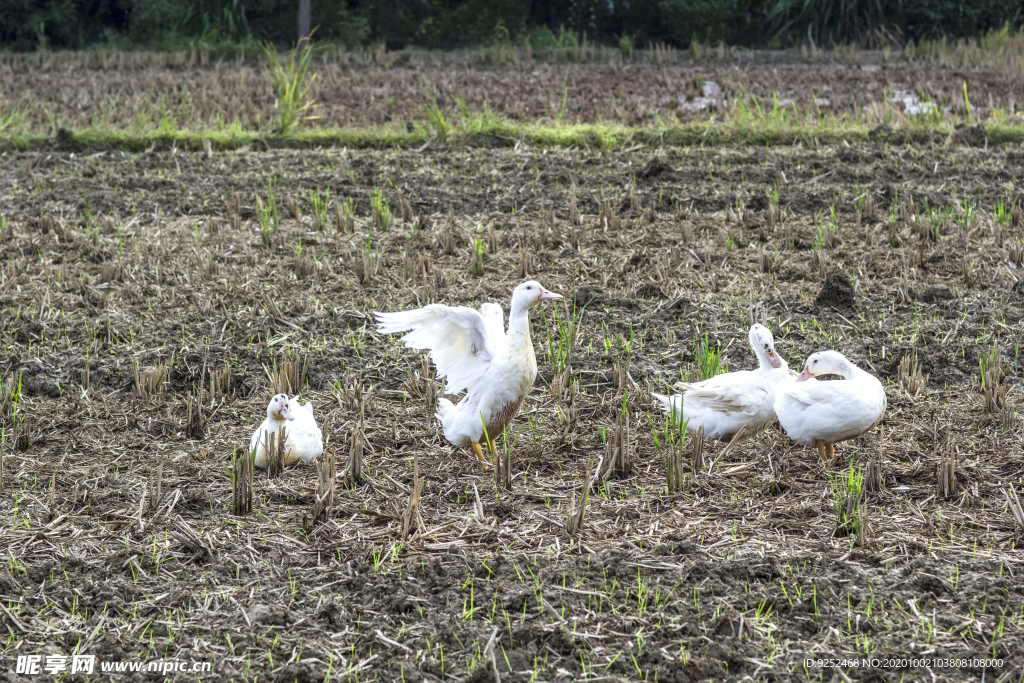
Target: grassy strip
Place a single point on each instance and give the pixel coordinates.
(506, 133)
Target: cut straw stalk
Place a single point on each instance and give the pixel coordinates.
(325, 488)
(241, 498)
(697, 455)
(910, 377)
(992, 371)
(618, 461)
(195, 422)
(945, 474)
(151, 382)
(290, 375)
(874, 480)
(411, 518)
(275, 444)
(353, 472)
(1016, 511)
(574, 522)
(674, 438)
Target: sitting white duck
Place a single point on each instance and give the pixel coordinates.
(304, 441)
(472, 349)
(824, 413)
(734, 405)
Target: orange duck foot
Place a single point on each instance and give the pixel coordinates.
(480, 455)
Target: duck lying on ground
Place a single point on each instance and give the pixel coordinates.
(303, 440)
(734, 405)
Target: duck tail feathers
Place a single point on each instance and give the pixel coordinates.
(665, 401)
(445, 411)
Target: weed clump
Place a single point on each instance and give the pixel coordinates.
(709, 359)
(291, 80)
(848, 501)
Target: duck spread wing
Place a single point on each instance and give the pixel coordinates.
(494, 322)
(457, 337)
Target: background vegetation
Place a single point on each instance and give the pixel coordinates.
(27, 25)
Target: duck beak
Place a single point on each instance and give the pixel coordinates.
(805, 375)
(286, 412)
(545, 295)
(774, 359)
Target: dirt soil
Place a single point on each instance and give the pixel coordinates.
(122, 543)
(220, 95)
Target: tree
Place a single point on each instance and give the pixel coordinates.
(303, 20)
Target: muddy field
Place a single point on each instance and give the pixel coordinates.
(131, 92)
(121, 540)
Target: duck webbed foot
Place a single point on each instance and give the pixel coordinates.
(830, 449)
(821, 449)
(480, 454)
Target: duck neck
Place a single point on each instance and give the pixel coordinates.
(847, 369)
(765, 364)
(519, 325)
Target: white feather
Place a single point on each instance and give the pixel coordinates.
(304, 440)
(457, 338)
(832, 411)
(735, 402)
(494, 321)
(472, 349)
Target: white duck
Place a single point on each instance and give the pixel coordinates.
(471, 348)
(304, 441)
(733, 405)
(494, 320)
(824, 413)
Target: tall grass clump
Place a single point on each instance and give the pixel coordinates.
(709, 360)
(266, 214)
(479, 249)
(91, 223)
(562, 331)
(670, 447)
(291, 80)
(436, 121)
(848, 500)
(319, 200)
(11, 121)
(381, 211)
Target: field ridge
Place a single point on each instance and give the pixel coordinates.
(583, 135)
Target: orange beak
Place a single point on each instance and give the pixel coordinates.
(805, 375)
